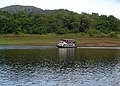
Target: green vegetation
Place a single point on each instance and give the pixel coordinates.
(52, 39)
(61, 21)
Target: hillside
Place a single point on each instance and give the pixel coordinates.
(18, 8)
(18, 19)
(29, 9)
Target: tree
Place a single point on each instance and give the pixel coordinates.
(84, 23)
(103, 23)
(57, 21)
(113, 23)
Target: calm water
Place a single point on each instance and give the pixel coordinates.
(60, 67)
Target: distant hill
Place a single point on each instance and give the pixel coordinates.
(29, 9)
(60, 21)
(18, 8)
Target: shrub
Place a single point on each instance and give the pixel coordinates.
(112, 34)
(93, 32)
(62, 31)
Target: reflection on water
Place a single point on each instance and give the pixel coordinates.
(60, 67)
(66, 53)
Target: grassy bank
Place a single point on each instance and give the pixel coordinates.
(53, 39)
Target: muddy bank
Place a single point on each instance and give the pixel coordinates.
(100, 44)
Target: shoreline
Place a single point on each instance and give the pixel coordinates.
(100, 44)
(53, 39)
(29, 47)
(86, 44)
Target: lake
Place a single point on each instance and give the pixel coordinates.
(50, 66)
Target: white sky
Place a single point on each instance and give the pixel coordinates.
(107, 7)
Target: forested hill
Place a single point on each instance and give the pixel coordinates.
(28, 9)
(18, 8)
(31, 20)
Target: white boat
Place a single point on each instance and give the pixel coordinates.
(67, 43)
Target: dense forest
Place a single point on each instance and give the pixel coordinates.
(31, 20)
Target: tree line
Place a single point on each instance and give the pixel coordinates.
(59, 22)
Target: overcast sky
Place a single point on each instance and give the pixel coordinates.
(107, 7)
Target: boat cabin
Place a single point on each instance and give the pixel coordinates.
(66, 43)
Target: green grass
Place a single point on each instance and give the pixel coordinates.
(51, 39)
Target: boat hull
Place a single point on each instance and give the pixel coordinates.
(67, 46)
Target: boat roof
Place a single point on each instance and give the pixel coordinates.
(68, 40)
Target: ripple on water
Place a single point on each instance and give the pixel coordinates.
(80, 67)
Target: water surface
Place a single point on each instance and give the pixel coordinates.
(60, 67)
